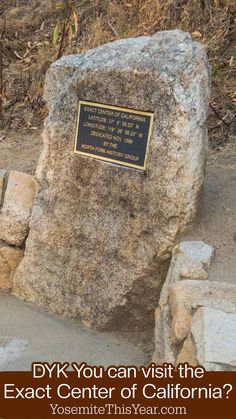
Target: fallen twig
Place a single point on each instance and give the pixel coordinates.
(219, 116)
(113, 29)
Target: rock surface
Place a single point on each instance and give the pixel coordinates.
(197, 251)
(189, 295)
(17, 206)
(4, 273)
(188, 353)
(10, 257)
(214, 333)
(101, 235)
(194, 258)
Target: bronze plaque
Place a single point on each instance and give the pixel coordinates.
(113, 134)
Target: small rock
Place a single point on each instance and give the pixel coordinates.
(214, 335)
(196, 35)
(188, 352)
(5, 282)
(12, 255)
(187, 263)
(10, 258)
(191, 269)
(17, 206)
(187, 296)
(197, 251)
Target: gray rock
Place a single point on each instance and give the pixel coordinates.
(214, 333)
(193, 259)
(101, 235)
(198, 251)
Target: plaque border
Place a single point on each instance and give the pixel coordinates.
(113, 107)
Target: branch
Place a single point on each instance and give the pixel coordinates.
(113, 29)
(219, 116)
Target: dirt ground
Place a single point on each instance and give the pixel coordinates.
(216, 223)
(21, 150)
(29, 333)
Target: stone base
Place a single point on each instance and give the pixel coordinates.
(196, 318)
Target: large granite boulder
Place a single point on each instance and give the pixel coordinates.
(101, 234)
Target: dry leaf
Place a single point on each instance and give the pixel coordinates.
(231, 61)
(196, 34)
(56, 32)
(27, 60)
(76, 25)
(70, 33)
